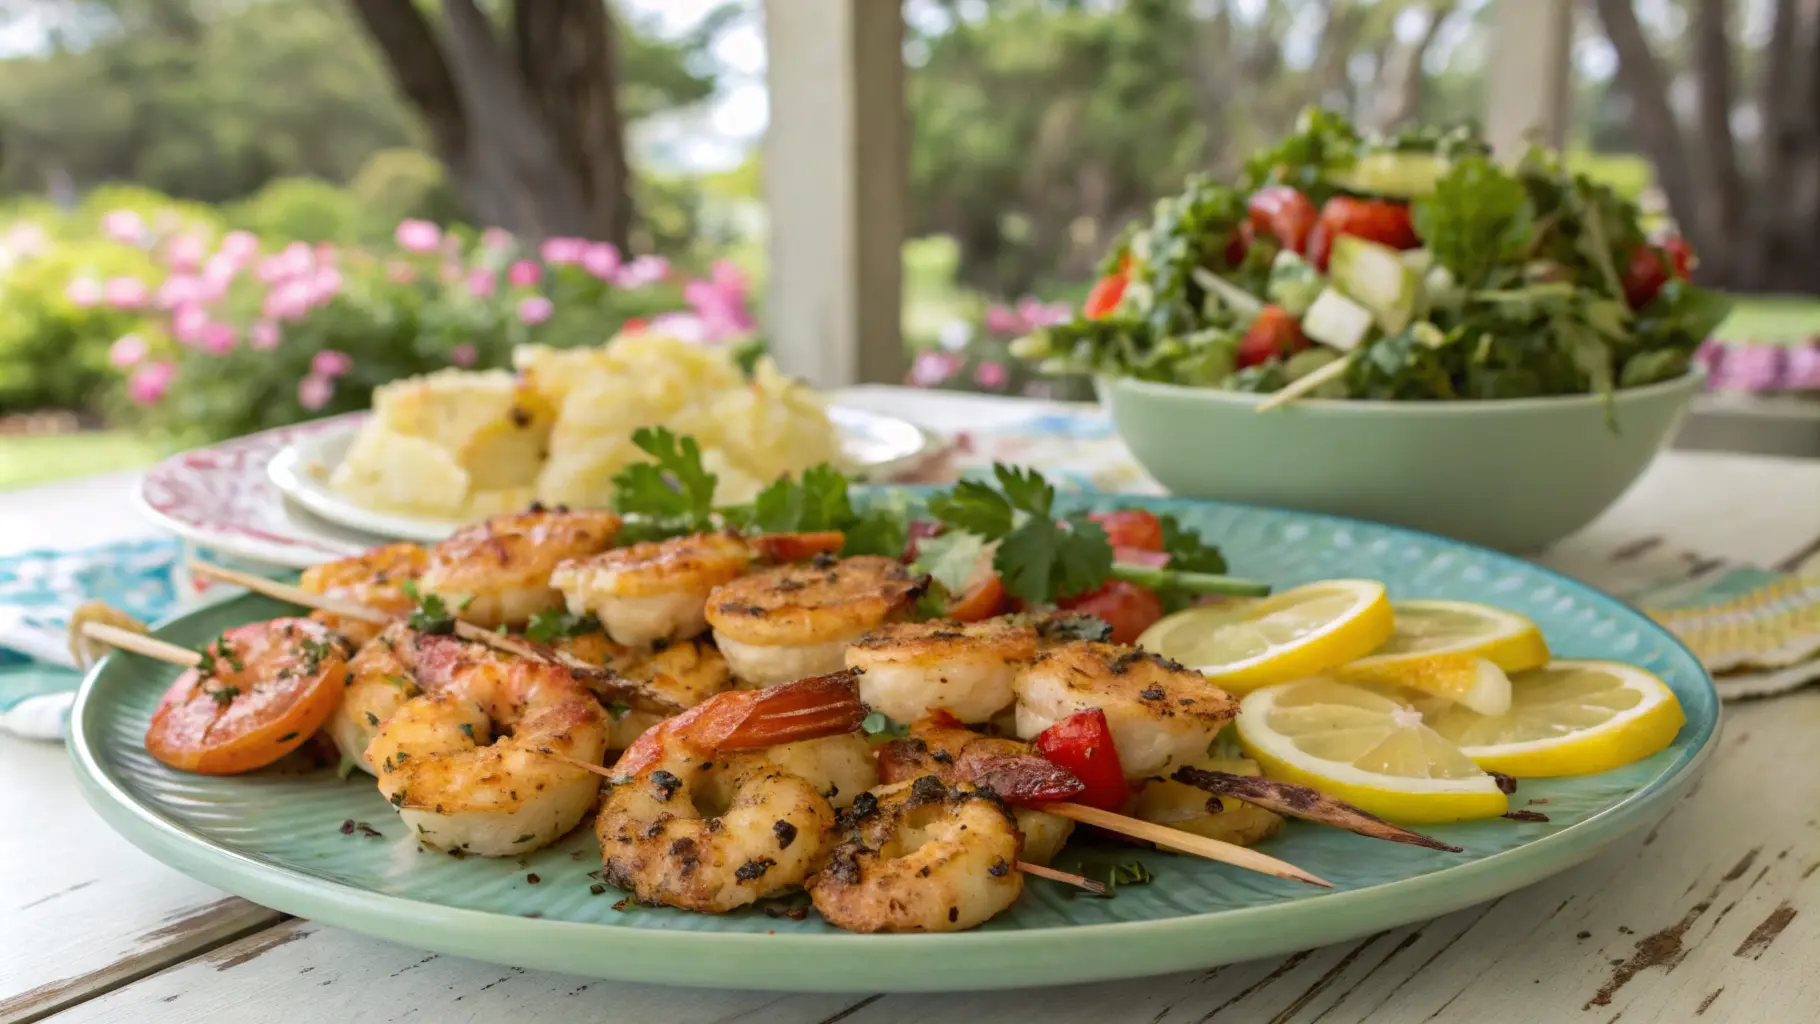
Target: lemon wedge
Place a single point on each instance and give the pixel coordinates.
(1456, 650)
(1569, 718)
(1298, 633)
(1366, 748)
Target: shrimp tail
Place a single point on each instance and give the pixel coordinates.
(1293, 801)
(746, 719)
(1023, 780)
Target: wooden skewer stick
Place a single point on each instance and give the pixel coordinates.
(1096, 888)
(139, 643)
(355, 610)
(1186, 842)
(1303, 385)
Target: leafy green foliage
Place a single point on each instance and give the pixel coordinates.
(432, 614)
(673, 490)
(1323, 142)
(1187, 550)
(558, 623)
(950, 559)
(820, 501)
(1478, 221)
(1038, 558)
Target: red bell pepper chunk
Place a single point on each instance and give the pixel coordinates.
(1082, 743)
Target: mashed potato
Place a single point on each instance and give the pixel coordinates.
(461, 444)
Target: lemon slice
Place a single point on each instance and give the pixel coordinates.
(1292, 635)
(1456, 650)
(1569, 718)
(1367, 749)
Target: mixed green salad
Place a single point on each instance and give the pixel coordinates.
(1430, 269)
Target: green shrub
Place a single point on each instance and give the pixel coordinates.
(161, 213)
(405, 184)
(301, 209)
(54, 350)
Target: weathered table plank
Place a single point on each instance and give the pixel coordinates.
(82, 910)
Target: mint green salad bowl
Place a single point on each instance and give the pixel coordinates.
(1515, 475)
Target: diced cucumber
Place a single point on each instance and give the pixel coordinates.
(1418, 260)
(1293, 283)
(1338, 321)
(1395, 175)
(1377, 277)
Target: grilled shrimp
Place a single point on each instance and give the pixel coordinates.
(684, 674)
(839, 767)
(380, 680)
(1161, 714)
(459, 781)
(374, 578)
(654, 590)
(940, 745)
(921, 856)
(795, 621)
(497, 572)
(689, 824)
(966, 669)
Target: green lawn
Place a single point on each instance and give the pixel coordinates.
(1772, 320)
(34, 460)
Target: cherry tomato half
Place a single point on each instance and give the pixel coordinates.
(1131, 528)
(1644, 275)
(1375, 220)
(1285, 213)
(1274, 333)
(1127, 607)
(982, 600)
(1106, 293)
(1681, 257)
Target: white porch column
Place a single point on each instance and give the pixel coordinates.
(835, 188)
(1529, 72)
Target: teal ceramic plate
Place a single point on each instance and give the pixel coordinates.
(274, 837)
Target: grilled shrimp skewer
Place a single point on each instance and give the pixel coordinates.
(657, 591)
(497, 571)
(966, 669)
(794, 621)
(688, 823)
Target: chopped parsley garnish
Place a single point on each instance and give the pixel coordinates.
(556, 624)
(432, 613)
(224, 695)
(467, 729)
(819, 501)
(1114, 875)
(617, 710)
(880, 725)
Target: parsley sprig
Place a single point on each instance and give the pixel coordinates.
(817, 501)
(672, 495)
(558, 623)
(1042, 558)
(432, 614)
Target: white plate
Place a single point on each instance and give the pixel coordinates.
(873, 447)
(224, 498)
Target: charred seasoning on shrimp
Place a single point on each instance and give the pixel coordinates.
(794, 621)
(497, 572)
(966, 669)
(654, 590)
(375, 578)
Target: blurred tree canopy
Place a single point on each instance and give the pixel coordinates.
(213, 100)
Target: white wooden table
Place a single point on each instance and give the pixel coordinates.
(1713, 916)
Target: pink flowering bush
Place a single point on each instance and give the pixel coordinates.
(976, 356)
(201, 335)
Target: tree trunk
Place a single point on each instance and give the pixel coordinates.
(1780, 147)
(1399, 92)
(567, 56)
(1725, 197)
(1640, 76)
(527, 137)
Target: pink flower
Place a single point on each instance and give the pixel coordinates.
(992, 376)
(188, 322)
(239, 246)
(482, 283)
(325, 284)
(84, 292)
(463, 355)
(221, 268)
(417, 236)
(150, 382)
(400, 272)
(535, 309)
(219, 339)
(496, 238)
(123, 226)
(931, 368)
(177, 290)
(125, 292)
(643, 271)
(1002, 319)
(264, 335)
(326, 254)
(601, 259)
(1036, 313)
(562, 251)
(127, 351)
(330, 363)
(1803, 370)
(288, 301)
(314, 392)
(185, 252)
(524, 274)
(681, 326)
(720, 303)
